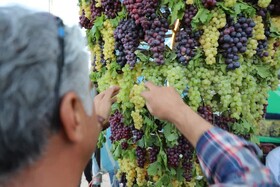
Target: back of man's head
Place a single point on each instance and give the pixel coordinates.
(29, 53)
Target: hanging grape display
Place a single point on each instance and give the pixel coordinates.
(222, 57)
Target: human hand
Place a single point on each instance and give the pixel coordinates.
(104, 101)
(162, 102)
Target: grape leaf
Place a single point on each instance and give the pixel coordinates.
(98, 25)
(141, 56)
(244, 8)
(263, 71)
(141, 142)
(116, 151)
(164, 180)
(154, 168)
(177, 11)
(179, 174)
(203, 16)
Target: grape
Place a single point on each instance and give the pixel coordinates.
(127, 36)
(233, 40)
(111, 7)
(189, 2)
(209, 39)
(109, 43)
(190, 12)
(140, 156)
(186, 44)
(209, 3)
(137, 134)
(153, 152)
(127, 169)
(95, 10)
(230, 3)
(141, 11)
(173, 157)
(155, 37)
(141, 176)
(206, 113)
(124, 145)
(118, 129)
(263, 3)
(84, 21)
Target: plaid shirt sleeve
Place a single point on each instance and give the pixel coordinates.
(227, 160)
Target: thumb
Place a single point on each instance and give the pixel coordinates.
(145, 94)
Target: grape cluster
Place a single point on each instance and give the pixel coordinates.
(206, 113)
(137, 134)
(183, 151)
(141, 11)
(190, 12)
(230, 3)
(141, 176)
(84, 21)
(127, 36)
(173, 157)
(111, 8)
(233, 40)
(109, 42)
(209, 3)
(263, 3)
(223, 122)
(118, 129)
(261, 49)
(95, 11)
(210, 36)
(127, 172)
(124, 145)
(186, 44)
(140, 156)
(155, 37)
(153, 152)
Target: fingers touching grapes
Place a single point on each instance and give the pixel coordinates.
(162, 102)
(104, 100)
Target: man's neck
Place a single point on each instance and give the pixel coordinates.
(56, 168)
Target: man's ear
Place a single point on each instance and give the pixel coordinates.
(71, 117)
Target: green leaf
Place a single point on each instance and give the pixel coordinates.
(177, 11)
(154, 168)
(173, 171)
(263, 71)
(163, 157)
(141, 142)
(117, 152)
(141, 56)
(244, 8)
(164, 180)
(172, 137)
(202, 17)
(179, 174)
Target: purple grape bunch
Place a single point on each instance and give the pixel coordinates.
(141, 11)
(153, 152)
(84, 21)
(186, 44)
(127, 36)
(233, 40)
(155, 37)
(140, 156)
(190, 12)
(119, 130)
(111, 8)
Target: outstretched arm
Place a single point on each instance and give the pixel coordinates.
(224, 157)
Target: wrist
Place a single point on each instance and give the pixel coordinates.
(104, 123)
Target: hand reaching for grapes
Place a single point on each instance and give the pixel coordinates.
(104, 100)
(166, 104)
(162, 102)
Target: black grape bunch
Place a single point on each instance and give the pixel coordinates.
(111, 8)
(127, 36)
(233, 40)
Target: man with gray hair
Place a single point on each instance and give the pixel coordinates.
(49, 125)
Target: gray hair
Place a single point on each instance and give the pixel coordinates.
(29, 51)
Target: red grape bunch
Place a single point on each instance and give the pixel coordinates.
(141, 11)
(119, 130)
